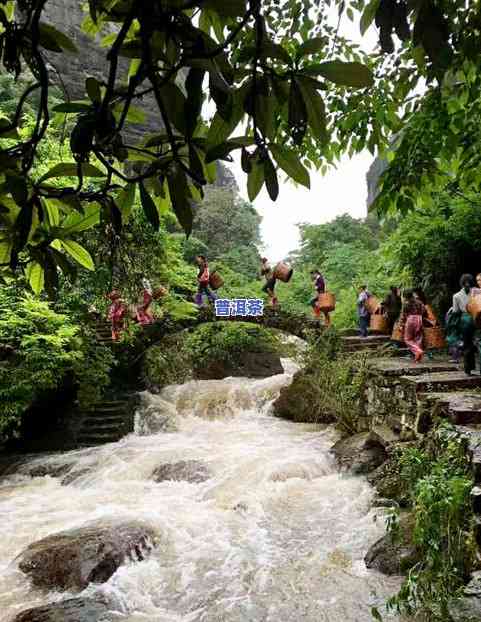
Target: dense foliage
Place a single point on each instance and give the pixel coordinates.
(39, 348)
(439, 485)
(300, 101)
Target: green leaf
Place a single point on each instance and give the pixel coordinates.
(174, 103)
(316, 112)
(346, 74)
(69, 169)
(73, 107)
(195, 96)
(180, 198)
(289, 162)
(226, 8)
(311, 47)
(220, 129)
(255, 179)
(79, 253)
(36, 277)
(134, 115)
(125, 200)
(75, 222)
(272, 183)
(54, 40)
(149, 207)
(92, 86)
(53, 214)
(368, 15)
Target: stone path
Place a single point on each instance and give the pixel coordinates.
(107, 422)
(406, 399)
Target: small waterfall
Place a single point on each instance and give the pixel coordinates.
(255, 522)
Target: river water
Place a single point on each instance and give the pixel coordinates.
(276, 534)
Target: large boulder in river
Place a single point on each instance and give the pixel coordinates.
(71, 610)
(249, 364)
(360, 453)
(72, 559)
(192, 471)
(301, 402)
(394, 553)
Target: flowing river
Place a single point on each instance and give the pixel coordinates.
(276, 534)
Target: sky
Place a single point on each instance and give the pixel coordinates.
(341, 190)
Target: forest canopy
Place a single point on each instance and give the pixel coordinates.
(289, 92)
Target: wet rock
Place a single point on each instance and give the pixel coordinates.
(24, 466)
(468, 607)
(360, 453)
(301, 402)
(192, 471)
(386, 479)
(246, 365)
(71, 610)
(73, 476)
(72, 559)
(394, 555)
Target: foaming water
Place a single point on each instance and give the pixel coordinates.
(275, 534)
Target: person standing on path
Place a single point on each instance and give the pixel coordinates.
(116, 314)
(461, 327)
(270, 284)
(143, 313)
(362, 311)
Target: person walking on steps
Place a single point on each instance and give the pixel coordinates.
(392, 305)
(270, 284)
(143, 312)
(203, 279)
(413, 312)
(363, 311)
(461, 328)
(116, 314)
(320, 288)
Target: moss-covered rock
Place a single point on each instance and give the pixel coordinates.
(299, 401)
(394, 553)
(360, 453)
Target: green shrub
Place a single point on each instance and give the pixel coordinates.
(330, 388)
(38, 349)
(225, 341)
(439, 485)
(168, 363)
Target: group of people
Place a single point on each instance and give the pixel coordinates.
(411, 313)
(141, 312)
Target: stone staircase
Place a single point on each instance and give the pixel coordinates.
(107, 422)
(103, 332)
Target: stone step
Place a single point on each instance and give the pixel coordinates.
(114, 429)
(101, 408)
(394, 367)
(96, 418)
(460, 408)
(381, 339)
(99, 438)
(441, 381)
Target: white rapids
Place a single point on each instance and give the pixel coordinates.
(277, 534)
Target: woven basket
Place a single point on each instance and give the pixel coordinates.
(160, 292)
(380, 324)
(215, 280)
(372, 304)
(434, 338)
(430, 319)
(397, 333)
(326, 302)
(474, 308)
(283, 272)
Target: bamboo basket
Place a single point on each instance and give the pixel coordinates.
(434, 338)
(430, 320)
(380, 324)
(283, 272)
(215, 280)
(326, 302)
(372, 304)
(474, 308)
(397, 333)
(160, 292)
